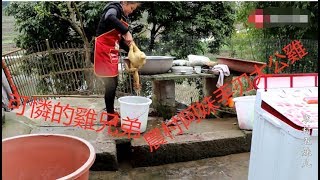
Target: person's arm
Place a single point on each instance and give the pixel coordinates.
(123, 45)
(111, 16)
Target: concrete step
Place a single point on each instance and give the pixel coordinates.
(230, 167)
(16, 125)
(208, 138)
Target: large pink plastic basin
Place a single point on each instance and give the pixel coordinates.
(240, 65)
(47, 157)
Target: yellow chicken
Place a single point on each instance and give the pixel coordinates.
(137, 60)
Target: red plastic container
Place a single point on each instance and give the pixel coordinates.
(240, 65)
(47, 157)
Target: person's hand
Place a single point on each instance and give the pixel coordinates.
(128, 38)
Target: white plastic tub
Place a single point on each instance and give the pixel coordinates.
(245, 111)
(278, 141)
(134, 107)
(276, 151)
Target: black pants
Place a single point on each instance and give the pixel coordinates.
(110, 84)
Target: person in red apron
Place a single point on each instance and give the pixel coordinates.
(112, 34)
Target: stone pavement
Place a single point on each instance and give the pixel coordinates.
(206, 139)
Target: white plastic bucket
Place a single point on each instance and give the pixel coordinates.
(134, 107)
(245, 111)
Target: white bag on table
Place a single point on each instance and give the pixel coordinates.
(196, 60)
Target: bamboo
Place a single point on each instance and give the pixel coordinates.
(43, 68)
(59, 61)
(22, 75)
(64, 60)
(11, 52)
(73, 67)
(33, 79)
(60, 57)
(53, 67)
(29, 73)
(13, 68)
(38, 74)
(57, 66)
(76, 66)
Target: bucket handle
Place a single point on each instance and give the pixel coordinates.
(142, 113)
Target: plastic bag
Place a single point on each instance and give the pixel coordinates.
(196, 60)
(180, 62)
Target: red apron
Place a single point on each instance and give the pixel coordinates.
(106, 54)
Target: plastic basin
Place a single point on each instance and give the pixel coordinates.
(245, 111)
(155, 65)
(240, 65)
(46, 156)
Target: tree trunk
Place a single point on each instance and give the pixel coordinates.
(88, 74)
(152, 38)
(79, 28)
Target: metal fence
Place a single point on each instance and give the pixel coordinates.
(261, 49)
(307, 64)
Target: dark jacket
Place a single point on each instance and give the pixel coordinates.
(113, 22)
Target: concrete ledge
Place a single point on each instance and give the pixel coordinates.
(209, 138)
(194, 145)
(16, 125)
(248, 137)
(106, 156)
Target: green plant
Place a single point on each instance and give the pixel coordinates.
(164, 111)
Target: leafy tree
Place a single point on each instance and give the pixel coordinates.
(60, 22)
(33, 27)
(56, 21)
(286, 31)
(175, 28)
(181, 25)
(268, 40)
(180, 22)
